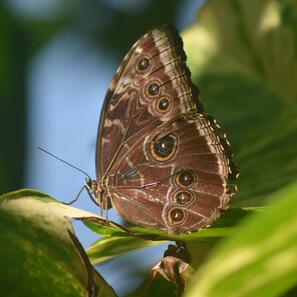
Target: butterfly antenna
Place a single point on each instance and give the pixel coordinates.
(63, 161)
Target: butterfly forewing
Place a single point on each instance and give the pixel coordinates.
(139, 96)
(160, 161)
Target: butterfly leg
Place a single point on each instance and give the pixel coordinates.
(77, 196)
(106, 213)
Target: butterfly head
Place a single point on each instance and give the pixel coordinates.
(98, 193)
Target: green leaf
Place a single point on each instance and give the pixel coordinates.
(111, 246)
(117, 240)
(259, 260)
(39, 253)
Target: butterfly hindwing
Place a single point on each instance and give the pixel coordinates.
(176, 177)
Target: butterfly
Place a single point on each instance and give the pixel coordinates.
(160, 161)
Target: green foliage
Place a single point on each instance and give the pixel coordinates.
(242, 54)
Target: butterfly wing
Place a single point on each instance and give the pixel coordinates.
(164, 163)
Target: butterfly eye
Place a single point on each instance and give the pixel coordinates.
(163, 105)
(186, 178)
(153, 89)
(183, 197)
(164, 148)
(143, 64)
(176, 216)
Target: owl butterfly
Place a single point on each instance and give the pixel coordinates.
(160, 161)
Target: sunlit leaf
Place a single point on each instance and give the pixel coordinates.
(39, 253)
(259, 260)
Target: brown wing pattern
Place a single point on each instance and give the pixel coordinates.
(175, 178)
(150, 87)
(160, 160)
